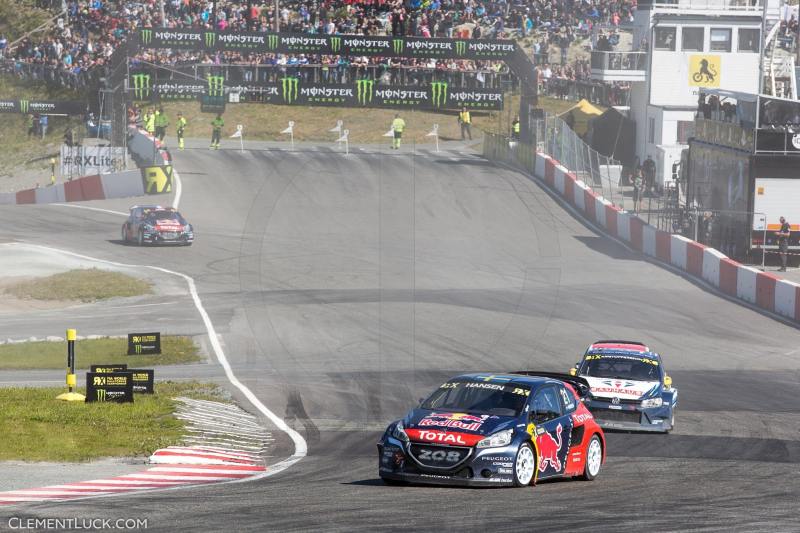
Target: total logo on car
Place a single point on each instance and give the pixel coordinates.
(153, 224)
(490, 430)
(629, 388)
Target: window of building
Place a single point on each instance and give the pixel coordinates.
(749, 39)
(692, 39)
(685, 130)
(664, 38)
(651, 130)
(720, 39)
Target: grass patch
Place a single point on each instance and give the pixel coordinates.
(37, 427)
(42, 354)
(86, 285)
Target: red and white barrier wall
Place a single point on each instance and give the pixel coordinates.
(98, 187)
(762, 289)
(146, 151)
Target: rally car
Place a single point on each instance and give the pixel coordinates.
(153, 224)
(629, 389)
(495, 430)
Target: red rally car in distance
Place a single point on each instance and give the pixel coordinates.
(154, 224)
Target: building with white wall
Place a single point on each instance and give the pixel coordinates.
(687, 45)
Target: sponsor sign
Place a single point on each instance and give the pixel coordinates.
(156, 180)
(42, 107)
(290, 90)
(287, 43)
(105, 369)
(87, 160)
(143, 379)
(144, 343)
(704, 70)
(109, 387)
(461, 421)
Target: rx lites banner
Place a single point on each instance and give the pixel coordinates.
(291, 90)
(294, 43)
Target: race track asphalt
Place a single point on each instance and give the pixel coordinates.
(346, 287)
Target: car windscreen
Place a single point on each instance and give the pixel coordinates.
(165, 215)
(621, 366)
(479, 397)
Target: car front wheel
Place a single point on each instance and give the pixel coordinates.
(594, 459)
(524, 465)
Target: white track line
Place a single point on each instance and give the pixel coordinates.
(176, 180)
(300, 445)
(91, 208)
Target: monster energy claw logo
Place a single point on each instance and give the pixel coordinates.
(210, 39)
(365, 89)
(24, 105)
(216, 85)
(439, 93)
(289, 87)
(141, 86)
(101, 395)
(461, 48)
(272, 42)
(397, 46)
(138, 348)
(336, 44)
(147, 36)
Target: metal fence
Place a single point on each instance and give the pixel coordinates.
(555, 138)
(596, 92)
(321, 73)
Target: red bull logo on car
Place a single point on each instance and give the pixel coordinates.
(454, 420)
(548, 450)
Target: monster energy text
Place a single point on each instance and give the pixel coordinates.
(365, 89)
(439, 93)
(216, 85)
(289, 88)
(141, 86)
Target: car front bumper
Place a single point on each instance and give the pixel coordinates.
(490, 467)
(631, 417)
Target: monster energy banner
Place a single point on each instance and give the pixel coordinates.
(44, 107)
(109, 387)
(293, 91)
(362, 45)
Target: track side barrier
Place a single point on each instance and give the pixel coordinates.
(765, 290)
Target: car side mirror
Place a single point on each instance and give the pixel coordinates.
(572, 371)
(667, 381)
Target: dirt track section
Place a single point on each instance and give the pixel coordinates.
(347, 287)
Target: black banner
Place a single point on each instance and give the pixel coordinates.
(104, 369)
(309, 43)
(144, 343)
(143, 379)
(109, 387)
(43, 107)
(294, 91)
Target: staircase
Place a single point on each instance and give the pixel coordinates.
(779, 64)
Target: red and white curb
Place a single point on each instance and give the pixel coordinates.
(175, 466)
(158, 477)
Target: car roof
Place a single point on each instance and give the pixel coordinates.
(620, 345)
(507, 379)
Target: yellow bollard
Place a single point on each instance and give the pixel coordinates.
(71, 395)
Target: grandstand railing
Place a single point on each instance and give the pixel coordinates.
(595, 92)
(628, 61)
(704, 5)
(320, 73)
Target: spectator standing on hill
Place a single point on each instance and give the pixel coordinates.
(31, 125)
(216, 131)
(43, 124)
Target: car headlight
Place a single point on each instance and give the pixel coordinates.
(399, 432)
(652, 402)
(501, 438)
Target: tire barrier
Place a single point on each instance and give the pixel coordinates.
(764, 290)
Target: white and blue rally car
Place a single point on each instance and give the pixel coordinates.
(629, 388)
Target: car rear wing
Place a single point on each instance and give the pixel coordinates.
(580, 384)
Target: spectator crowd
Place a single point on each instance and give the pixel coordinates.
(89, 32)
